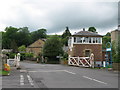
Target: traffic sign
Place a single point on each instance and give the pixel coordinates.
(108, 49)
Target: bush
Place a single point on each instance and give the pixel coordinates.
(65, 56)
(52, 48)
(29, 55)
(22, 56)
(115, 52)
(12, 55)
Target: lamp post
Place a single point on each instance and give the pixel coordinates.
(109, 50)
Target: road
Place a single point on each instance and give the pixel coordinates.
(61, 76)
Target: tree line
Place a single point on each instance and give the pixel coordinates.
(13, 37)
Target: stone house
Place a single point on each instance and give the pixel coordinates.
(84, 43)
(115, 35)
(36, 47)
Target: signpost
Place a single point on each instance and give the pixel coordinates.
(109, 61)
(108, 49)
(11, 62)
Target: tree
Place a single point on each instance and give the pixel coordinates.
(13, 45)
(23, 37)
(108, 34)
(66, 33)
(52, 48)
(116, 50)
(105, 39)
(40, 33)
(9, 36)
(22, 48)
(92, 29)
(65, 36)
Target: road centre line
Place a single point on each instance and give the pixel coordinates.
(69, 72)
(94, 80)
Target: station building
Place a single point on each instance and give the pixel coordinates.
(84, 43)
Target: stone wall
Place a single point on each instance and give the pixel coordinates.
(116, 66)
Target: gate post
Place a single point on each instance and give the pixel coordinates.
(78, 61)
(69, 60)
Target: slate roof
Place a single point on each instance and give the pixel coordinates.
(86, 33)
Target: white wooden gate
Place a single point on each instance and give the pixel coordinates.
(79, 61)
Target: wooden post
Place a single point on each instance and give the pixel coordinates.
(92, 60)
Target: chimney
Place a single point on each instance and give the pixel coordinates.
(118, 27)
(83, 29)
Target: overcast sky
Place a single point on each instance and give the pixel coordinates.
(55, 15)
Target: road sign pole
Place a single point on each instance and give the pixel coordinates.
(109, 50)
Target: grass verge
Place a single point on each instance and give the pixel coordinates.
(4, 72)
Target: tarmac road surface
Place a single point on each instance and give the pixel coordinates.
(33, 75)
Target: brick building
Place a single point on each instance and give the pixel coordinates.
(36, 47)
(84, 43)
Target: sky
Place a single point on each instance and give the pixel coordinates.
(55, 15)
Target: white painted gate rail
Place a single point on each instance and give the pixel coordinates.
(79, 61)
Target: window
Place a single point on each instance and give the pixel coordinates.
(93, 39)
(74, 39)
(96, 40)
(99, 40)
(79, 40)
(87, 53)
(86, 39)
(89, 40)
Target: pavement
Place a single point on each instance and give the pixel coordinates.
(33, 75)
(16, 79)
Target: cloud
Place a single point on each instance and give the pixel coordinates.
(55, 16)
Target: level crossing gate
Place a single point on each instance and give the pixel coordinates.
(82, 61)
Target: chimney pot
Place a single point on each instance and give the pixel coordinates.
(83, 29)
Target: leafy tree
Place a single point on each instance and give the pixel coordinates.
(14, 46)
(116, 50)
(23, 37)
(15, 37)
(22, 48)
(40, 33)
(92, 29)
(66, 33)
(52, 48)
(65, 36)
(105, 39)
(9, 36)
(108, 34)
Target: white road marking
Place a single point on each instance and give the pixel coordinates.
(69, 72)
(94, 80)
(30, 80)
(99, 81)
(55, 71)
(23, 70)
(48, 71)
(87, 77)
(21, 80)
